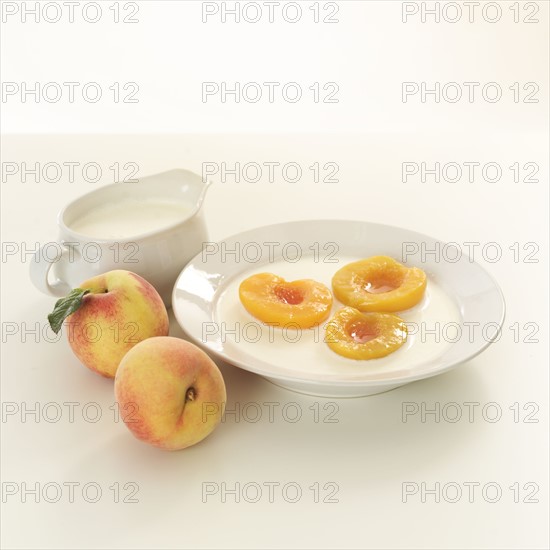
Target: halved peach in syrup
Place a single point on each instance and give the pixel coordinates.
(358, 335)
(379, 284)
(273, 300)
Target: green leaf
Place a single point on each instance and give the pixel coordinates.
(65, 306)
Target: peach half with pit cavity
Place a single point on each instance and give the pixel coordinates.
(272, 300)
(379, 283)
(357, 335)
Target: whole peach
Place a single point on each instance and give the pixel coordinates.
(170, 393)
(111, 314)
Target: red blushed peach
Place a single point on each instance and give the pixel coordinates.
(170, 393)
(117, 310)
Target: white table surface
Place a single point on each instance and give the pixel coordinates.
(368, 453)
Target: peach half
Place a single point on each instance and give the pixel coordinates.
(358, 335)
(379, 284)
(273, 300)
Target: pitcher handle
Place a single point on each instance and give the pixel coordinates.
(40, 269)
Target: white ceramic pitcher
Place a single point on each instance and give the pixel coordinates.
(158, 256)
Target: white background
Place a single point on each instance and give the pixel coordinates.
(370, 452)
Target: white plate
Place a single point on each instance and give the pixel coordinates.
(460, 315)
